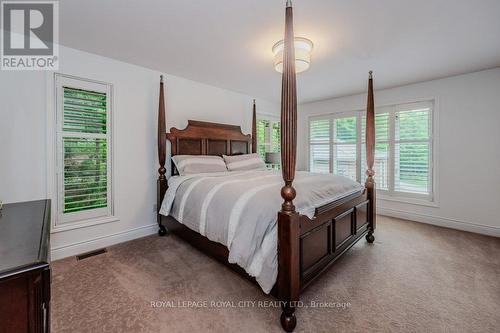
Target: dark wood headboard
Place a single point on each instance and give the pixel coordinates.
(204, 138)
(198, 138)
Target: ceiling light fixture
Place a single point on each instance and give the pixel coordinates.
(303, 48)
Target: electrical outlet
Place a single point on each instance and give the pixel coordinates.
(154, 208)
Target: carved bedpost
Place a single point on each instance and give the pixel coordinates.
(162, 184)
(288, 218)
(254, 129)
(370, 158)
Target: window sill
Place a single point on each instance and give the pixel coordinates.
(83, 224)
(413, 201)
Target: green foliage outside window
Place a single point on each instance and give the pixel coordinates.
(262, 137)
(84, 150)
(268, 137)
(276, 137)
(345, 130)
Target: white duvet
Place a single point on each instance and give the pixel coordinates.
(239, 210)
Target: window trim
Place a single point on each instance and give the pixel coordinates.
(55, 82)
(390, 195)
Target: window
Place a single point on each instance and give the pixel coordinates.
(268, 135)
(403, 148)
(83, 149)
(411, 150)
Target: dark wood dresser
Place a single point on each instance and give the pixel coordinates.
(24, 267)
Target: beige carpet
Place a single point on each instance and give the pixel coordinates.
(415, 278)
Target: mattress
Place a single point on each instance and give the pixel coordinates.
(239, 210)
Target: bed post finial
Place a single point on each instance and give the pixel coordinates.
(254, 128)
(162, 146)
(370, 158)
(288, 218)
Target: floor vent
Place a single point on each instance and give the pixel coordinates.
(91, 254)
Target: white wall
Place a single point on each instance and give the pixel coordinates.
(468, 147)
(25, 102)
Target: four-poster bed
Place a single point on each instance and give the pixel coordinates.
(306, 246)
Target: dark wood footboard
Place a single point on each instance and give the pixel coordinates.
(320, 241)
(331, 232)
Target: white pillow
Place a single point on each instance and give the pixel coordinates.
(244, 162)
(190, 164)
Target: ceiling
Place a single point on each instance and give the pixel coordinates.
(227, 43)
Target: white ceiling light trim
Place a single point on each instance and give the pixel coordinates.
(303, 48)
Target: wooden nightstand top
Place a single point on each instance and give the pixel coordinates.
(24, 236)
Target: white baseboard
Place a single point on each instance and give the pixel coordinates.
(441, 221)
(102, 241)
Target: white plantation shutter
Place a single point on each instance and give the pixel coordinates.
(403, 148)
(84, 164)
(319, 139)
(85, 174)
(345, 147)
(412, 149)
(320, 158)
(84, 111)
